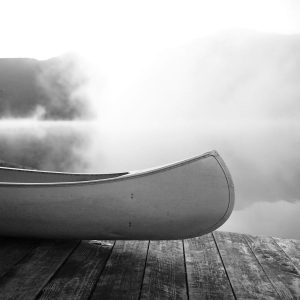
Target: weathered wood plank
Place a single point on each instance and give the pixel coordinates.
(165, 276)
(246, 275)
(77, 277)
(26, 279)
(205, 272)
(12, 250)
(123, 274)
(278, 267)
(292, 249)
(258, 268)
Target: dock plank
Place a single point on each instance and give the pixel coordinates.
(77, 277)
(214, 266)
(292, 249)
(246, 275)
(27, 278)
(123, 274)
(12, 250)
(165, 276)
(205, 272)
(276, 264)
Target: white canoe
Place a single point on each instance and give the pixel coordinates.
(180, 200)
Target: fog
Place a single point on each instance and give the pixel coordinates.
(52, 89)
(236, 92)
(279, 219)
(44, 145)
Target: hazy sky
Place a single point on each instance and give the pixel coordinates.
(43, 29)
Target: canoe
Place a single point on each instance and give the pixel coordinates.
(180, 200)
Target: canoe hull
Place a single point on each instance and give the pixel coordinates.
(179, 201)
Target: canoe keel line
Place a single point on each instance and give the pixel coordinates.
(181, 200)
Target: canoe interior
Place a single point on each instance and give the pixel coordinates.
(31, 176)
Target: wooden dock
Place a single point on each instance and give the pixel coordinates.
(215, 266)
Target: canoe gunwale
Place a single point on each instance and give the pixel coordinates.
(127, 176)
(60, 173)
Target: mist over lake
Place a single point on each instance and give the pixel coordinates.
(235, 92)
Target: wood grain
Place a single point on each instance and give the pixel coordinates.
(278, 267)
(12, 250)
(123, 274)
(246, 275)
(292, 249)
(205, 272)
(165, 276)
(215, 266)
(26, 279)
(77, 277)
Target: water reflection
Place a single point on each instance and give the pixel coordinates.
(278, 219)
